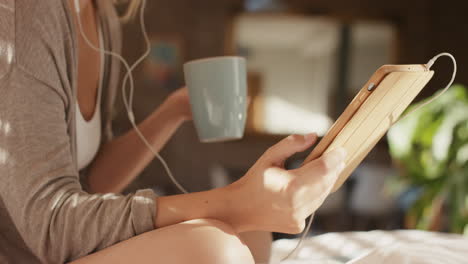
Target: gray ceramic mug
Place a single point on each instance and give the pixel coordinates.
(218, 96)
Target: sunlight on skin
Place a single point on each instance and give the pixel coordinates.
(274, 180)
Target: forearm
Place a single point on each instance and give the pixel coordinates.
(121, 160)
(214, 204)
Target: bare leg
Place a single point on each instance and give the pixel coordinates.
(196, 241)
(259, 243)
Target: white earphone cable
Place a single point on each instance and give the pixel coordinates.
(303, 235)
(129, 76)
(429, 65)
(139, 60)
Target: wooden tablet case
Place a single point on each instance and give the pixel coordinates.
(363, 124)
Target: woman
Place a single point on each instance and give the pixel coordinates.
(55, 93)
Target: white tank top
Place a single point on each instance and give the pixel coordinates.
(88, 133)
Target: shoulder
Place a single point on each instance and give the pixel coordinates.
(41, 18)
(44, 46)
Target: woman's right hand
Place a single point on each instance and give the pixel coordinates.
(270, 198)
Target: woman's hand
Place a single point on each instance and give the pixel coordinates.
(270, 198)
(179, 103)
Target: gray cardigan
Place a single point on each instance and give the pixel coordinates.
(45, 213)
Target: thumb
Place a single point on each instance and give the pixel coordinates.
(278, 153)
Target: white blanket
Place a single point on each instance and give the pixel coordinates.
(405, 247)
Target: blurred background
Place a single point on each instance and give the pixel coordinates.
(307, 59)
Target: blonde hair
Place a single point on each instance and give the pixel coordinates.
(132, 9)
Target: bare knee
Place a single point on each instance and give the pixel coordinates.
(217, 241)
(198, 241)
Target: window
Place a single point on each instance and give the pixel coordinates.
(296, 63)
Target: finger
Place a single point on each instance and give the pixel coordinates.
(278, 153)
(325, 164)
(327, 185)
(322, 172)
(315, 188)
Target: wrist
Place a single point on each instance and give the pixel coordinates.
(219, 204)
(237, 207)
(170, 112)
(179, 107)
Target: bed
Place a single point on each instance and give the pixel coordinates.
(404, 246)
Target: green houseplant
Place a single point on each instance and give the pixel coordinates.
(431, 148)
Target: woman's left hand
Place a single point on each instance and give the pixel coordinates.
(180, 102)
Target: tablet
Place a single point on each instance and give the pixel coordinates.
(376, 107)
